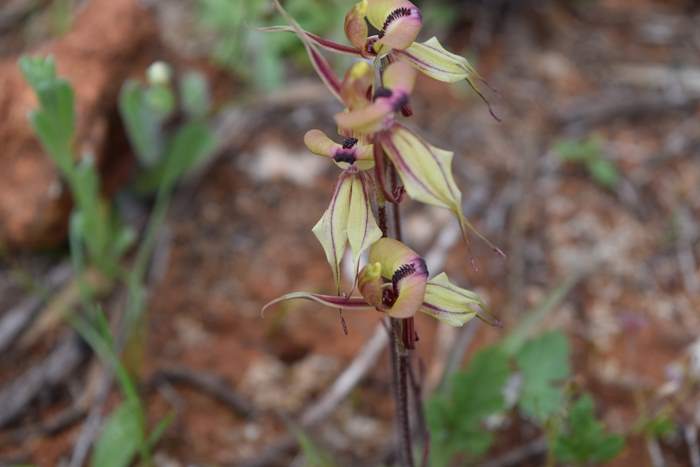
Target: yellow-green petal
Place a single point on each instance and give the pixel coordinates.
(449, 303)
(319, 143)
(426, 173)
(332, 229)
(362, 228)
(431, 58)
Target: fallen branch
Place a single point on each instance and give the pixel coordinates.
(15, 321)
(209, 384)
(61, 362)
(518, 455)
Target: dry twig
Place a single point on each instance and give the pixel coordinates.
(209, 384)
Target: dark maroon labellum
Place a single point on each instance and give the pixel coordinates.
(345, 156)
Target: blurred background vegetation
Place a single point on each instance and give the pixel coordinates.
(154, 192)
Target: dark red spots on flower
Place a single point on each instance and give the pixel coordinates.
(393, 16)
(349, 143)
(401, 273)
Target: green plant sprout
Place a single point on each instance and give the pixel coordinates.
(94, 227)
(589, 153)
(125, 432)
(98, 240)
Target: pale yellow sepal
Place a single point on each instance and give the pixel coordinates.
(449, 303)
(348, 219)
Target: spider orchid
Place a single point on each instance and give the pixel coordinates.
(398, 23)
(395, 282)
(349, 218)
(425, 170)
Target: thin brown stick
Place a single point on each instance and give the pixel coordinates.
(209, 384)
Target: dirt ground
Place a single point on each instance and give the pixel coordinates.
(626, 72)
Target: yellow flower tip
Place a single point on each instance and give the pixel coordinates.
(356, 88)
(370, 284)
(319, 143)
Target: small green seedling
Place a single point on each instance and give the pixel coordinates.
(589, 153)
(583, 440)
(125, 433)
(93, 227)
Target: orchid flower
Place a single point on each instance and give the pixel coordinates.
(398, 23)
(349, 218)
(395, 282)
(425, 170)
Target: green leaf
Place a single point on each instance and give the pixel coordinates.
(37, 70)
(544, 364)
(585, 440)
(455, 418)
(157, 433)
(142, 124)
(578, 150)
(604, 173)
(190, 145)
(120, 438)
(54, 121)
(195, 94)
(313, 454)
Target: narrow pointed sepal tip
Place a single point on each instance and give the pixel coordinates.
(329, 301)
(490, 320)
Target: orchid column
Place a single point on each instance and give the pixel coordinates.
(374, 151)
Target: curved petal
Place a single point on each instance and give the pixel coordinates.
(449, 303)
(379, 11)
(426, 173)
(400, 29)
(320, 144)
(332, 229)
(331, 301)
(320, 64)
(370, 119)
(322, 42)
(432, 59)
